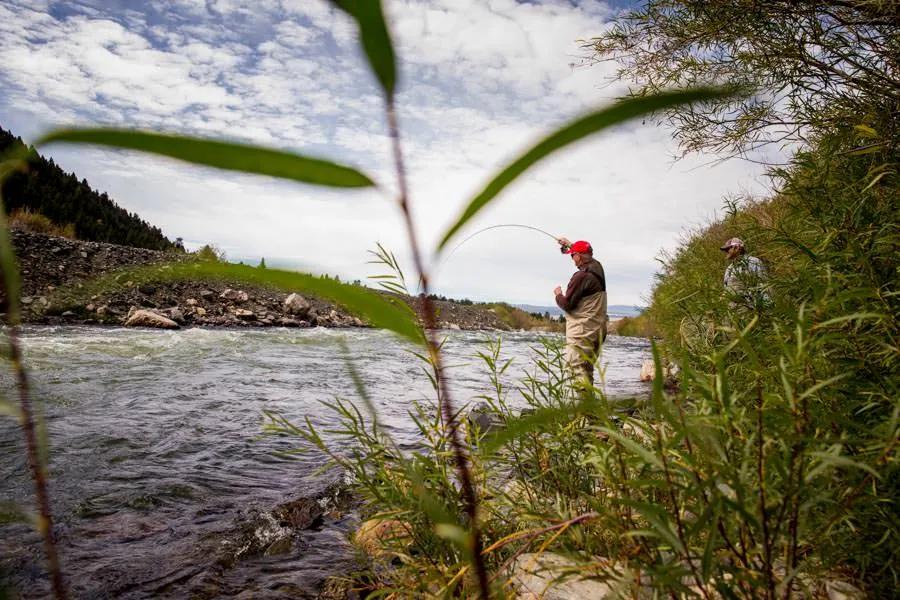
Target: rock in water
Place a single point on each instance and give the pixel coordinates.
(295, 304)
(486, 418)
(146, 318)
(670, 373)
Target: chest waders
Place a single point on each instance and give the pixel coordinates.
(585, 331)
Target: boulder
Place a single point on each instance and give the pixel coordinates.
(191, 302)
(234, 295)
(207, 294)
(543, 577)
(146, 318)
(176, 314)
(670, 373)
(297, 305)
(244, 315)
(199, 311)
(841, 590)
(485, 418)
(647, 370)
(376, 537)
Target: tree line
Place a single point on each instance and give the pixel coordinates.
(50, 191)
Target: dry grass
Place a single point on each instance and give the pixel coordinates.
(35, 222)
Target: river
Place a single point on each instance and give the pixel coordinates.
(157, 457)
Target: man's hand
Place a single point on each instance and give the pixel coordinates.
(557, 291)
(562, 241)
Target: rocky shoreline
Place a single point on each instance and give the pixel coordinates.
(55, 272)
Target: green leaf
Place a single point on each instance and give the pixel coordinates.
(516, 428)
(379, 311)
(455, 534)
(876, 179)
(659, 520)
(375, 39)
(10, 512)
(578, 129)
(834, 460)
(648, 456)
(8, 409)
(846, 318)
(866, 131)
(222, 155)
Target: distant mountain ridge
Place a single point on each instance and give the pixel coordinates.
(46, 189)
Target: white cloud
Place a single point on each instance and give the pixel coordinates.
(480, 81)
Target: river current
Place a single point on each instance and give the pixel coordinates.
(157, 456)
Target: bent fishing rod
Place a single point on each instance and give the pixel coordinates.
(480, 231)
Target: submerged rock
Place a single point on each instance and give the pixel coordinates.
(485, 418)
(277, 531)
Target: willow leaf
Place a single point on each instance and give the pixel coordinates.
(520, 426)
(230, 156)
(375, 39)
(578, 129)
(8, 409)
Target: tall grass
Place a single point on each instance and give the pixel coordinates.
(24, 218)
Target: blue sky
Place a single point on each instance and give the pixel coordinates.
(480, 80)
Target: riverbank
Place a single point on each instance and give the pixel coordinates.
(56, 270)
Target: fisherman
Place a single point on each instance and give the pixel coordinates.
(585, 306)
(745, 278)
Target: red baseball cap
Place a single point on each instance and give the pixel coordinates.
(581, 247)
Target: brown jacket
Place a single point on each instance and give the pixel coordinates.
(587, 281)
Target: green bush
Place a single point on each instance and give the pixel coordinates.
(639, 326)
(831, 241)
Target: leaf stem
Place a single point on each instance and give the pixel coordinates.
(427, 314)
(42, 496)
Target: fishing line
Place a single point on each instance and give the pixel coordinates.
(480, 231)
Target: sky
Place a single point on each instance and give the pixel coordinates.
(480, 81)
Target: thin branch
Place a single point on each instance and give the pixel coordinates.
(444, 401)
(42, 496)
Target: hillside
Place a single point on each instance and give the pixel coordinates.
(57, 272)
(48, 190)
